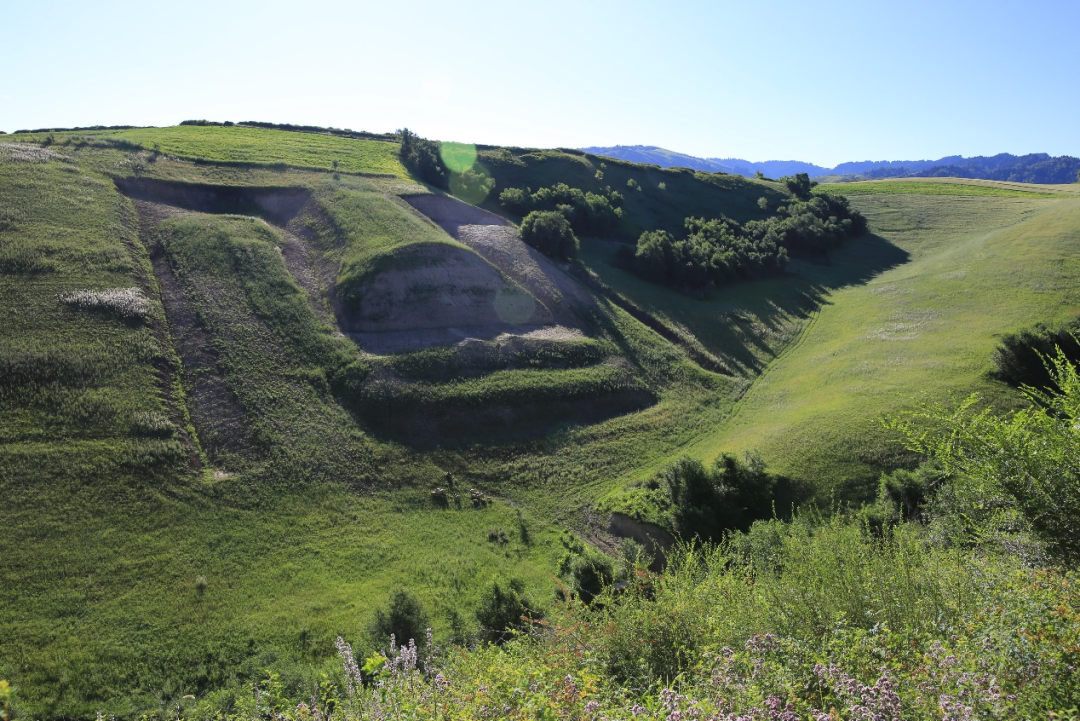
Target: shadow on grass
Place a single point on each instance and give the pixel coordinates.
(747, 324)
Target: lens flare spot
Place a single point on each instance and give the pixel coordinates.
(458, 157)
(513, 305)
(472, 186)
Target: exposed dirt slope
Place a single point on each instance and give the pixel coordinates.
(498, 242)
(214, 410)
(440, 286)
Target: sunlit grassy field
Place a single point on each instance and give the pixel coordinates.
(948, 186)
(149, 566)
(925, 329)
(258, 147)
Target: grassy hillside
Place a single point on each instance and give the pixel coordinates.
(647, 205)
(208, 473)
(150, 566)
(949, 186)
(189, 498)
(250, 146)
(952, 274)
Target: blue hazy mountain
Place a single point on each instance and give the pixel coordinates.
(1032, 168)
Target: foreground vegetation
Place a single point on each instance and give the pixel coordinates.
(950, 614)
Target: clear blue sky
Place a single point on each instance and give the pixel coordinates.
(819, 81)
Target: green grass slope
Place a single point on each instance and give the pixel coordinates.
(143, 574)
(194, 497)
(159, 554)
(978, 267)
(251, 146)
(949, 186)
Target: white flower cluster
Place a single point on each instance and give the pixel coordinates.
(125, 302)
(28, 152)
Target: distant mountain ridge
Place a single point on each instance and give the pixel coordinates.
(1031, 168)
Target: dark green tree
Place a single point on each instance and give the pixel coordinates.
(404, 617)
(549, 232)
(799, 185)
(505, 610)
(422, 157)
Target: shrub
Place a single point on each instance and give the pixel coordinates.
(550, 233)
(586, 570)
(504, 611)
(799, 185)
(705, 503)
(403, 617)
(1027, 463)
(1021, 359)
(592, 213)
(516, 200)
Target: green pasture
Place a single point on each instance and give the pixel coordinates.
(150, 567)
(977, 267)
(255, 147)
(953, 186)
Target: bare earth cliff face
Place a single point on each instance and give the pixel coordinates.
(492, 302)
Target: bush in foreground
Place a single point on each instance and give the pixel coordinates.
(807, 619)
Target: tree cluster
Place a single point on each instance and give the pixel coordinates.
(422, 157)
(589, 213)
(720, 250)
(712, 252)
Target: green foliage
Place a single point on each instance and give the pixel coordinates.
(1028, 462)
(1024, 358)
(717, 251)
(803, 619)
(809, 227)
(705, 503)
(403, 617)
(799, 185)
(903, 495)
(423, 158)
(587, 571)
(7, 700)
(550, 233)
(505, 611)
(589, 213)
(713, 252)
